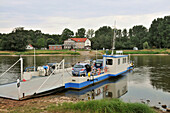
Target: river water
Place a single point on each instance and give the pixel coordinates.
(148, 82)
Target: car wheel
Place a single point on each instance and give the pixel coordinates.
(85, 73)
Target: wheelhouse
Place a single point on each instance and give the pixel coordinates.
(115, 63)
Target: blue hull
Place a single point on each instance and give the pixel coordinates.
(96, 80)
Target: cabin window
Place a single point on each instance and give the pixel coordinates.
(124, 60)
(118, 61)
(109, 62)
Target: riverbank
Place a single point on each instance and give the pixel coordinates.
(83, 52)
(144, 52)
(39, 52)
(63, 104)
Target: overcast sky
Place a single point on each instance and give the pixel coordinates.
(52, 16)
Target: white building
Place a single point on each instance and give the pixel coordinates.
(29, 47)
(78, 43)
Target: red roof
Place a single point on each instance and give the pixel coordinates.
(30, 45)
(79, 39)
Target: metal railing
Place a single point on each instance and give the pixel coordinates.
(61, 63)
(21, 59)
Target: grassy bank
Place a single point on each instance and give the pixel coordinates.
(145, 51)
(39, 52)
(94, 106)
(79, 52)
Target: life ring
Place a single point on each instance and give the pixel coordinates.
(105, 69)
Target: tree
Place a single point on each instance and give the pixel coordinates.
(67, 33)
(159, 32)
(81, 33)
(139, 34)
(17, 41)
(103, 38)
(41, 42)
(90, 33)
(50, 41)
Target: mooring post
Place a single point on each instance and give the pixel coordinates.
(18, 87)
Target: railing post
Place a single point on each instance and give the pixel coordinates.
(63, 72)
(21, 59)
(18, 87)
(34, 60)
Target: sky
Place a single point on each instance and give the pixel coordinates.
(53, 16)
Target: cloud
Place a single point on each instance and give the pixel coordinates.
(53, 16)
(57, 24)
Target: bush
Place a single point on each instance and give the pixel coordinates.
(102, 106)
(145, 45)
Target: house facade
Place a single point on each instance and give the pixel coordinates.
(77, 43)
(29, 47)
(55, 47)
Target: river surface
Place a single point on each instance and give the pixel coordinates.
(148, 82)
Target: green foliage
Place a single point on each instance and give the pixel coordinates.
(81, 33)
(90, 33)
(17, 40)
(41, 43)
(103, 38)
(101, 106)
(159, 32)
(50, 41)
(145, 45)
(67, 33)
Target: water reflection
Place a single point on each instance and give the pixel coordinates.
(111, 88)
(150, 80)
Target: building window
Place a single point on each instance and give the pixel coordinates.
(109, 62)
(118, 61)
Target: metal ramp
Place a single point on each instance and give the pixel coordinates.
(37, 85)
(28, 88)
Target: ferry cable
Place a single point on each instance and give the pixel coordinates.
(10, 68)
(48, 78)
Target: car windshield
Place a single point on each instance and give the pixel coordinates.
(78, 66)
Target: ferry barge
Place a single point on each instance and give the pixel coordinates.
(34, 83)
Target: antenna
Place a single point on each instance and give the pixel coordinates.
(114, 39)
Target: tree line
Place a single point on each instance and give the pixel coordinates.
(157, 36)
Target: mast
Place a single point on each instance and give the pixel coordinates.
(114, 39)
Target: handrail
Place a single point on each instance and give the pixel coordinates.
(49, 77)
(9, 68)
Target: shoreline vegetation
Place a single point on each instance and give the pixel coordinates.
(53, 104)
(82, 52)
